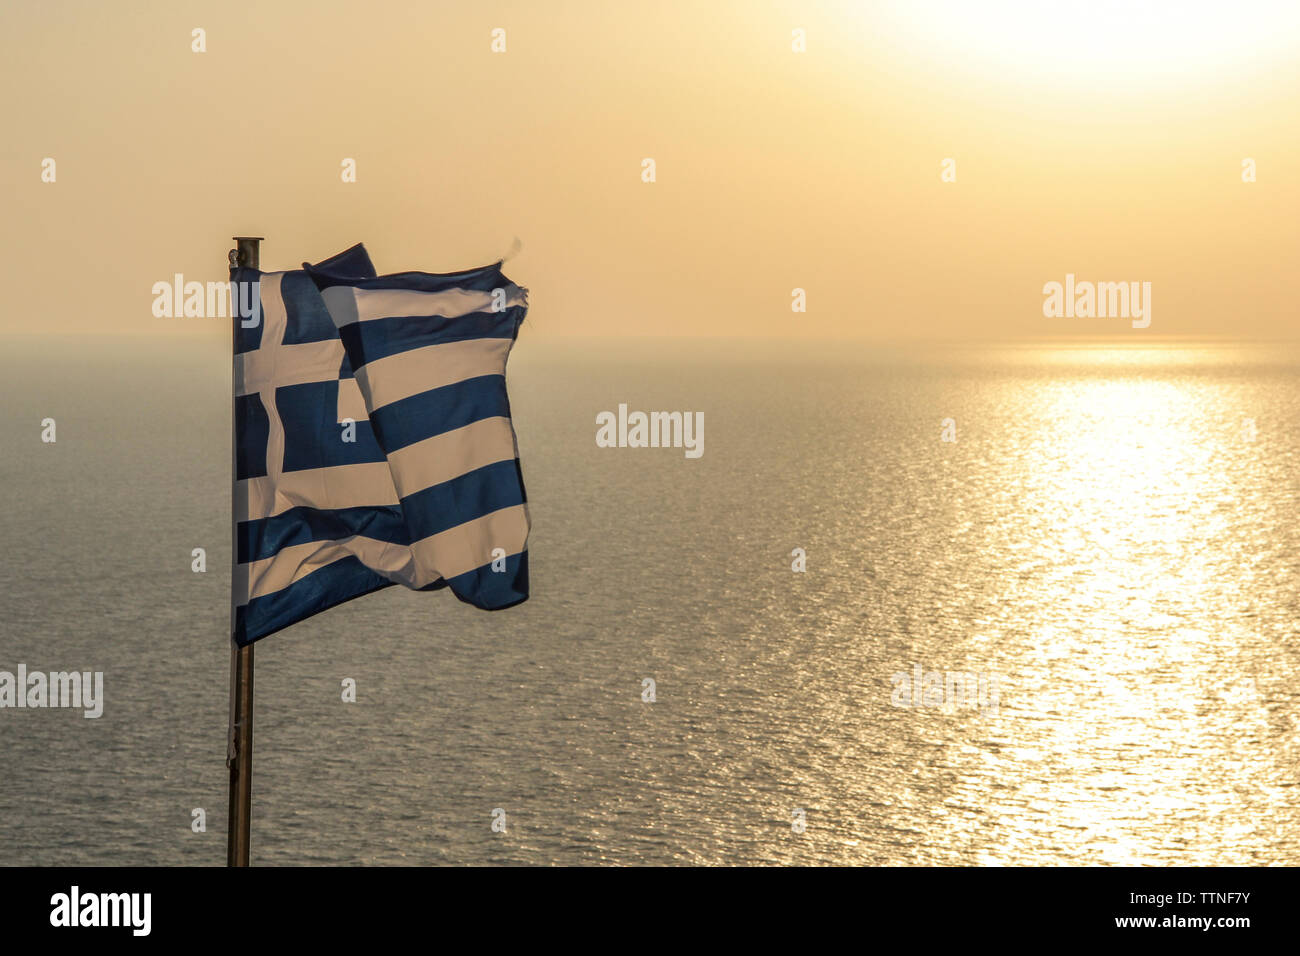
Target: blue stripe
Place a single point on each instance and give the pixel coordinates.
(464, 498)
(481, 279)
(324, 588)
(494, 590)
(353, 261)
(374, 339)
(306, 317)
(246, 340)
(264, 537)
(252, 430)
(313, 438)
(439, 410)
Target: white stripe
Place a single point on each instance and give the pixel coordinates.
(468, 546)
(347, 304)
(339, 486)
(351, 403)
(395, 377)
(444, 555)
(274, 319)
(283, 365)
(393, 561)
(449, 455)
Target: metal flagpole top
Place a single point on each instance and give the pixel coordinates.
(245, 253)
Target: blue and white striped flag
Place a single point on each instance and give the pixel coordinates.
(404, 472)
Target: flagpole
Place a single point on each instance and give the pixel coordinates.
(239, 742)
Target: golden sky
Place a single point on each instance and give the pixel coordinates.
(1101, 139)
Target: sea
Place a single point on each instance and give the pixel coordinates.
(914, 604)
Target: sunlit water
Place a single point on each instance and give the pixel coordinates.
(1108, 534)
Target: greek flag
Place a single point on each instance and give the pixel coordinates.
(373, 440)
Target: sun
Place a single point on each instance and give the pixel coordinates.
(1117, 43)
